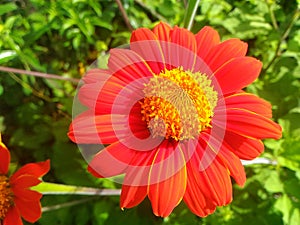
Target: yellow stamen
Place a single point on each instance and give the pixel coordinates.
(178, 104)
(6, 196)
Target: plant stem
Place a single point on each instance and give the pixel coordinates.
(190, 13)
(150, 10)
(37, 74)
(281, 40)
(274, 22)
(124, 14)
(47, 188)
(67, 204)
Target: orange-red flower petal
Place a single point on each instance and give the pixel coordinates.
(32, 169)
(4, 158)
(237, 74)
(250, 124)
(29, 210)
(132, 195)
(249, 102)
(225, 51)
(206, 39)
(12, 217)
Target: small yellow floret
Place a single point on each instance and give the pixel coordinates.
(178, 104)
(6, 196)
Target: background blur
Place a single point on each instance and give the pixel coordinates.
(65, 36)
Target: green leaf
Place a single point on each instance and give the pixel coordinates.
(5, 8)
(7, 55)
(190, 13)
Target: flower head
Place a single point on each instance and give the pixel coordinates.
(176, 120)
(16, 198)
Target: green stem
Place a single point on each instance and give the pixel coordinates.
(273, 18)
(281, 40)
(62, 189)
(190, 13)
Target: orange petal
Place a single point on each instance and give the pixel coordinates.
(162, 31)
(96, 75)
(225, 51)
(249, 102)
(12, 217)
(237, 73)
(184, 50)
(213, 174)
(111, 161)
(146, 44)
(33, 169)
(142, 34)
(253, 125)
(24, 181)
(127, 65)
(132, 195)
(26, 194)
(227, 157)
(245, 148)
(194, 196)
(166, 184)
(206, 38)
(29, 210)
(4, 158)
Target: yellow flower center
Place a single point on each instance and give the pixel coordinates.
(6, 196)
(178, 104)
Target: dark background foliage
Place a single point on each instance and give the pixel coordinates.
(65, 36)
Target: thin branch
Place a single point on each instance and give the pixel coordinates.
(27, 86)
(274, 22)
(150, 10)
(124, 14)
(67, 204)
(281, 40)
(37, 74)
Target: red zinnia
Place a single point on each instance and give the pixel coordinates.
(16, 198)
(173, 110)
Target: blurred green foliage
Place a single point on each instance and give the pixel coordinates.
(65, 36)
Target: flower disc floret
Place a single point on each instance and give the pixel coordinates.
(6, 196)
(178, 104)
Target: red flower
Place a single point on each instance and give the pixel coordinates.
(16, 198)
(173, 110)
